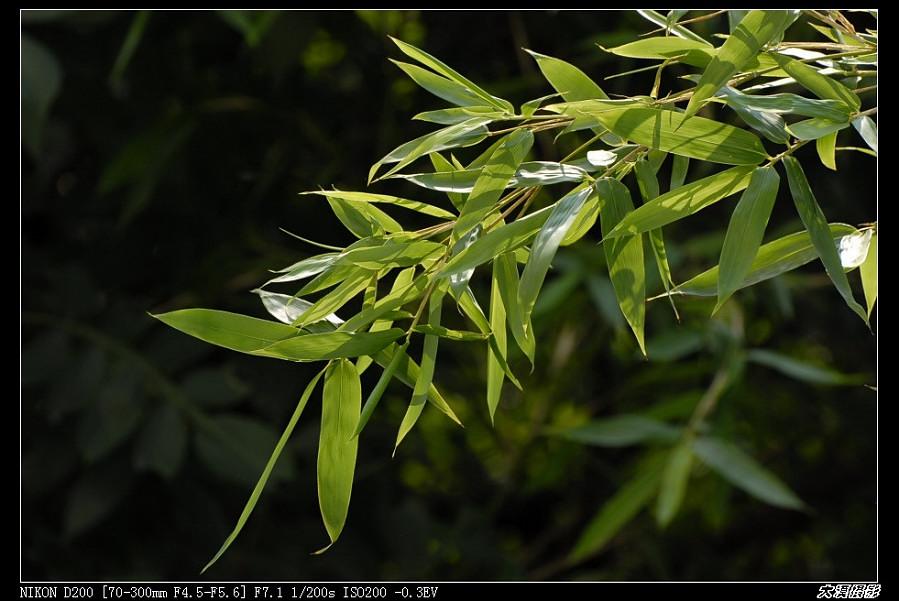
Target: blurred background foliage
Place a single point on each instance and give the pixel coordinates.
(162, 157)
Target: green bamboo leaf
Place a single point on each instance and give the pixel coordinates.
(369, 197)
(493, 180)
(624, 255)
(835, 110)
(802, 370)
(502, 239)
(287, 309)
(428, 361)
(459, 114)
(649, 190)
(443, 332)
(694, 137)
(378, 391)
(769, 124)
(816, 224)
(305, 268)
(545, 245)
(389, 303)
(391, 253)
(447, 89)
(495, 371)
(584, 221)
(505, 270)
(230, 330)
(744, 472)
(663, 22)
(356, 220)
(773, 259)
(570, 82)
(673, 484)
(330, 345)
(867, 129)
(745, 231)
(355, 282)
(621, 431)
(754, 31)
(629, 500)
(442, 69)
(266, 473)
(458, 135)
(684, 201)
(697, 53)
(408, 372)
(814, 128)
(868, 270)
(826, 147)
(815, 82)
(337, 448)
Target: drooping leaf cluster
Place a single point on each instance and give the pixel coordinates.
(751, 104)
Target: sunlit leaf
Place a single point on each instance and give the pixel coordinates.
(266, 472)
(814, 128)
(695, 137)
(673, 28)
(442, 87)
(569, 81)
(744, 472)
(287, 309)
(746, 231)
(773, 259)
(331, 345)
(545, 245)
(820, 85)
(754, 31)
(374, 397)
(835, 110)
(505, 271)
(684, 201)
(813, 218)
(868, 270)
(867, 129)
(337, 448)
(826, 148)
(230, 330)
(624, 255)
(368, 197)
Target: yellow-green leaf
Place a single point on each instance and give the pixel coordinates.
(695, 137)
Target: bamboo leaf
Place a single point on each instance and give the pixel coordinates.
(815, 82)
(835, 110)
(263, 478)
(351, 286)
(868, 130)
(368, 197)
(305, 268)
(337, 448)
(624, 255)
(545, 245)
(773, 259)
(697, 53)
(678, 30)
(495, 371)
(442, 87)
(331, 345)
(408, 372)
(395, 299)
(816, 224)
(649, 190)
(505, 270)
(673, 484)
(618, 511)
(826, 148)
(684, 201)
(745, 231)
(868, 270)
(230, 330)
(570, 82)
(287, 309)
(428, 361)
(695, 137)
(492, 181)
(377, 392)
(754, 31)
(814, 128)
(621, 431)
(801, 370)
(392, 253)
(442, 69)
(744, 472)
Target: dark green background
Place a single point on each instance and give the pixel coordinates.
(164, 181)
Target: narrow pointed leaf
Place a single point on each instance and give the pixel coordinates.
(773, 259)
(754, 31)
(626, 503)
(341, 405)
(505, 270)
(621, 431)
(230, 330)
(745, 473)
(287, 309)
(801, 370)
(444, 70)
(695, 137)
(377, 392)
(826, 148)
(545, 245)
(263, 478)
(355, 283)
(745, 231)
(495, 372)
(388, 304)
(820, 85)
(690, 51)
(368, 197)
(407, 372)
(392, 253)
(835, 110)
(684, 201)
(624, 255)
(678, 30)
(814, 128)
(868, 130)
(819, 232)
(569, 81)
(494, 178)
(673, 485)
(442, 87)
(331, 345)
(426, 375)
(649, 190)
(868, 270)
(305, 268)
